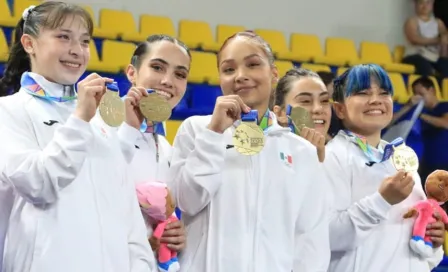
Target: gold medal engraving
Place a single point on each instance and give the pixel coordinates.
(404, 158)
(301, 118)
(112, 109)
(248, 139)
(155, 108)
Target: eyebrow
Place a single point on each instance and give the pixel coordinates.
(166, 63)
(245, 58)
(69, 31)
(310, 94)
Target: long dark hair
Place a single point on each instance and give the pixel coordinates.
(48, 15)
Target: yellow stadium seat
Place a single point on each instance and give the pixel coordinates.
(341, 70)
(151, 25)
(6, 18)
(95, 64)
(413, 78)
(445, 89)
(398, 53)
(20, 6)
(341, 51)
(225, 31)
(203, 68)
(171, 130)
(197, 34)
(121, 23)
(117, 55)
(277, 41)
(3, 47)
(445, 244)
(401, 94)
(283, 66)
(306, 48)
(316, 67)
(373, 52)
(97, 31)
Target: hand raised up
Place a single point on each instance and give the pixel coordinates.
(90, 91)
(227, 110)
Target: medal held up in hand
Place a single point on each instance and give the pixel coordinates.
(155, 108)
(248, 138)
(405, 158)
(111, 108)
(299, 118)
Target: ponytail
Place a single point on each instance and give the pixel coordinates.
(18, 63)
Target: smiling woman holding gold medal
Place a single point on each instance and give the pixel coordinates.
(247, 187)
(74, 208)
(158, 72)
(302, 102)
(372, 183)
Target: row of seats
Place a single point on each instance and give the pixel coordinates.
(117, 24)
(203, 66)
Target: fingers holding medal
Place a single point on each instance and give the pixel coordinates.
(227, 110)
(134, 116)
(302, 124)
(300, 118)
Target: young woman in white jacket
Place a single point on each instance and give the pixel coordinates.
(74, 206)
(253, 213)
(368, 195)
(161, 63)
(304, 88)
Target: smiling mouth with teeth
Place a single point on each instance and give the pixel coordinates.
(71, 64)
(319, 122)
(374, 112)
(164, 94)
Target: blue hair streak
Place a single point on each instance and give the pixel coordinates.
(358, 78)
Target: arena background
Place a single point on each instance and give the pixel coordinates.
(321, 35)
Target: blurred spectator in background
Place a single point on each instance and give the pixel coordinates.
(427, 41)
(433, 132)
(441, 10)
(327, 78)
(434, 127)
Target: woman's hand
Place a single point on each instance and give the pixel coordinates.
(134, 117)
(436, 231)
(174, 235)
(317, 139)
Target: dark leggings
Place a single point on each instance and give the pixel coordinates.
(425, 67)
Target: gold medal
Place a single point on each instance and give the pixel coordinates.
(405, 158)
(248, 138)
(301, 118)
(155, 108)
(112, 109)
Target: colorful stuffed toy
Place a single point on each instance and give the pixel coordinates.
(437, 191)
(158, 207)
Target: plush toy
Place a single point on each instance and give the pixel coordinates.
(437, 192)
(158, 208)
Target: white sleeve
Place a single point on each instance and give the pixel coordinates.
(38, 175)
(350, 223)
(435, 259)
(128, 138)
(140, 253)
(196, 167)
(312, 249)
